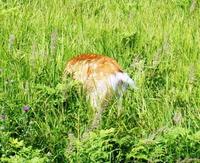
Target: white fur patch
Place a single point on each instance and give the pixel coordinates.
(120, 79)
(118, 82)
(113, 81)
(126, 79)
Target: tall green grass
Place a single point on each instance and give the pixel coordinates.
(156, 42)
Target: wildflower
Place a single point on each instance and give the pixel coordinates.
(192, 74)
(33, 49)
(26, 87)
(193, 5)
(11, 41)
(177, 118)
(137, 64)
(26, 108)
(158, 54)
(53, 41)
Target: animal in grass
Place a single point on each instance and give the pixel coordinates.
(101, 77)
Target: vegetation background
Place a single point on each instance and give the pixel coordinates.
(156, 42)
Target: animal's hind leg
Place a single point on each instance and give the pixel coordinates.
(97, 118)
(120, 91)
(95, 122)
(96, 99)
(119, 106)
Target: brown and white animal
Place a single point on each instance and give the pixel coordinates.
(101, 77)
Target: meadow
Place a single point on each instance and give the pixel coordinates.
(156, 42)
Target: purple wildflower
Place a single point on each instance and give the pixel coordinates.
(26, 108)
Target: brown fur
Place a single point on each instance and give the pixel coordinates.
(94, 72)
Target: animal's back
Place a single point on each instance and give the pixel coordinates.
(101, 76)
(92, 66)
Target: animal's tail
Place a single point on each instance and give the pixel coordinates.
(124, 77)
